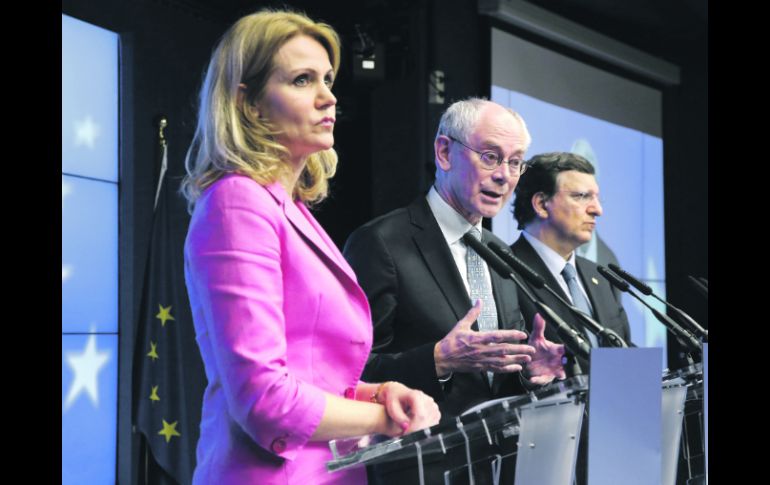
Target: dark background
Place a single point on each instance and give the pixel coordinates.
(385, 126)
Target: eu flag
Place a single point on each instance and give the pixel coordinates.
(168, 379)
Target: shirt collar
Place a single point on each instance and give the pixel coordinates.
(453, 225)
(551, 258)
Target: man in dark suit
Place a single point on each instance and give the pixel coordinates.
(556, 206)
(422, 281)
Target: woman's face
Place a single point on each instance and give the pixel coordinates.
(298, 100)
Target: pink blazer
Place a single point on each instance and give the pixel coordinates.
(279, 318)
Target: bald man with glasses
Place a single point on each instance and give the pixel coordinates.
(443, 322)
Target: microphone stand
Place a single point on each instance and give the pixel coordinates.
(573, 341)
(683, 336)
(607, 336)
(571, 337)
(686, 320)
(699, 285)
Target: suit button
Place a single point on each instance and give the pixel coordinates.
(350, 393)
(278, 445)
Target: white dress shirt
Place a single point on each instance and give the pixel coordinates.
(555, 264)
(453, 226)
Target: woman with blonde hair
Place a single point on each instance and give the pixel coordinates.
(283, 328)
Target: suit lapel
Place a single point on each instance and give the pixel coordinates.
(333, 251)
(524, 251)
(593, 282)
(312, 235)
(504, 314)
(505, 310)
(438, 258)
(503, 302)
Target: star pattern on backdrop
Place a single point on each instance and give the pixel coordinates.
(169, 430)
(66, 272)
(153, 353)
(164, 315)
(66, 189)
(86, 366)
(86, 132)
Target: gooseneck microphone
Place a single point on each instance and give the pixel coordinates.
(571, 337)
(685, 319)
(684, 337)
(607, 336)
(643, 288)
(528, 273)
(700, 284)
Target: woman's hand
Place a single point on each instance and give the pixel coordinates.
(407, 409)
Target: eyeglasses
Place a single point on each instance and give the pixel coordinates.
(582, 198)
(490, 159)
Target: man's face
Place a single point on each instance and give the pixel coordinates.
(471, 189)
(573, 209)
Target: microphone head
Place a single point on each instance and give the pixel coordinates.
(491, 258)
(698, 285)
(644, 289)
(613, 278)
(507, 255)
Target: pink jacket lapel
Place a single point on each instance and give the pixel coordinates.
(313, 233)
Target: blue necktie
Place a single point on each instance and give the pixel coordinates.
(578, 299)
(481, 289)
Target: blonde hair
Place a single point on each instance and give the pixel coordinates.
(229, 136)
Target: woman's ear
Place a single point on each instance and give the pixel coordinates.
(241, 100)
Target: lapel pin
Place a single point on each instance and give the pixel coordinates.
(594, 281)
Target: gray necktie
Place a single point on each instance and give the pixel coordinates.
(481, 289)
(578, 298)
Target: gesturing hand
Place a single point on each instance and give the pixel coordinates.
(466, 350)
(546, 363)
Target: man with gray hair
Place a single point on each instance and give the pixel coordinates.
(557, 204)
(436, 306)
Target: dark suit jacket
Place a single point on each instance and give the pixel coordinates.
(417, 296)
(604, 256)
(607, 309)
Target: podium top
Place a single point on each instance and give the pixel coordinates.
(687, 373)
(485, 419)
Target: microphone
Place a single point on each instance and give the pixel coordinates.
(683, 318)
(646, 290)
(571, 337)
(700, 284)
(609, 337)
(684, 337)
(507, 255)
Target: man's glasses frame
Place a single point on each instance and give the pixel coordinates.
(490, 159)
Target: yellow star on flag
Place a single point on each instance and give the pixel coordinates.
(169, 430)
(164, 314)
(154, 394)
(153, 353)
